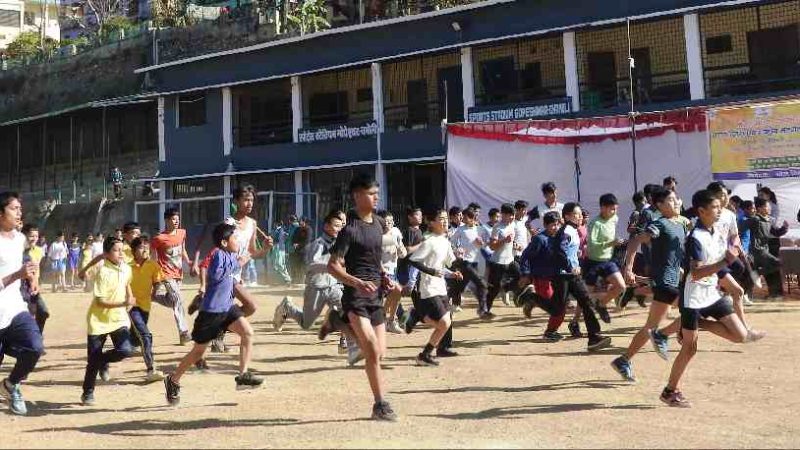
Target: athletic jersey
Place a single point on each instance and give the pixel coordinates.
(705, 247)
(11, 301)
(435, 253)
(504, 254)
(317, 255)
(521, 236)
(536, 214)
(667, 240)
(601, 234)
(245, 230)
(464, 238)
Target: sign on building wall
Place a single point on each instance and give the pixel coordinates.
(755, 142)
(520, 111)
(338, 132)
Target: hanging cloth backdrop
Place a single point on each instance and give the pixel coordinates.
(492, 163)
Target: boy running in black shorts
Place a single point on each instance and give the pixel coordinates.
(431, 305)
(707, 253)
(356, 262)
(666, 237)
(218, 312)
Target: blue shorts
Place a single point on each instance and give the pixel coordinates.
(59, 265)
(21, 335)
(592, 270)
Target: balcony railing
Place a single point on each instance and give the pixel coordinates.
(264, 133)
(346, 118)
(520, 95)
(745, 79)
(417, 116)
(657, 88)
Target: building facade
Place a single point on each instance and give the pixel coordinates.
(297, 117)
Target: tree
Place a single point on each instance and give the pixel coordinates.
(27, 45)
(103, 10)
(169, 13)
(309, 17)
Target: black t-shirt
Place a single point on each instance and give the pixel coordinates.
(411, 237)
(359, 243)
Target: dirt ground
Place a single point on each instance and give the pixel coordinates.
(508, 389)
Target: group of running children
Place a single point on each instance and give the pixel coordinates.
(362, 265)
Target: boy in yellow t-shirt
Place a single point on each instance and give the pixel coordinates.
(34, 254)
(146, 276)
(108, 317)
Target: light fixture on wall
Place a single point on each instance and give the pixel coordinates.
(456, 26)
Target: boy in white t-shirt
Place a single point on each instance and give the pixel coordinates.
(19, 335)
(432, 259)
(707, 253)
(500, 264)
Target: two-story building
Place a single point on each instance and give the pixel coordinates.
(298, 116)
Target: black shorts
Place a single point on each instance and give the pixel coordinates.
(592, 270)
(208, 325)
(666, 294)
(433, 307)
(690, 317)
(371, 308)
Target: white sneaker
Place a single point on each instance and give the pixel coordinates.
(746, 300)
(353, 356)
(280, 314)
(457, 309)
(394, 327)
(342, 345)
(153, 376)
(753, 336)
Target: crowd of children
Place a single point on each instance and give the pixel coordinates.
(705, 261)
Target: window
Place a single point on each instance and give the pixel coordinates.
(329, 107)
(364, 95)
(9, 19)
(719, 44)
(191, 109)
(499, 79)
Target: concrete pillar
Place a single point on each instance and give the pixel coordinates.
(571, 70)
(297, 108)
(227, 122)
(162, 148)
(467, 80)
(694, 56)
(298, 189)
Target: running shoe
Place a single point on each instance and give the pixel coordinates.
(640, 299)
(218, 346)
(393, 327)
(105, 374)
(153, 375)
(342, 345)
(487, 316)
(13, 395)
(674, 398)
(279, 317)
(184, 338)
(525, 292)
(354, 355)
(457, 309)
(574, 329)
(445, 353)
(746, 300)
(527, 309)
(627, 296)
(598, 342)
(248, 381)
(660, 343)
(202, 365)
(87, 399)
(552, 336)
(623, 368)
(602, 311)
(425, 359)
(383, 411)
(173, 391)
